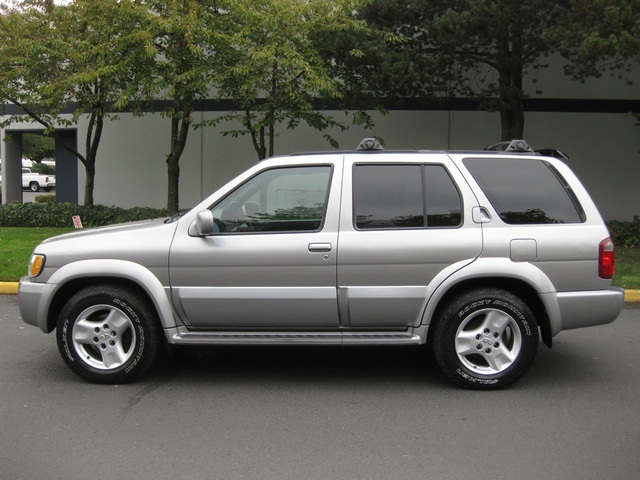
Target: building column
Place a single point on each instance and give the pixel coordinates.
(12, 168)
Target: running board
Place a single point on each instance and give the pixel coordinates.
(182, 336)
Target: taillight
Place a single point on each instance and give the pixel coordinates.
(606, 259)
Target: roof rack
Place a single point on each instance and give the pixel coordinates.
(552, 152)
(369, 144)
(512, 146)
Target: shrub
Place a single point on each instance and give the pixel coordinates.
(625, 234)
(45, 199)
(60, 214)
(43, 168)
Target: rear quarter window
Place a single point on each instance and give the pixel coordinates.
(526, 191)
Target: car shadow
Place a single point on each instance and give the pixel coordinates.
(304, 365)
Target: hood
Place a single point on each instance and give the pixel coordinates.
(138, 226)
(146, 242)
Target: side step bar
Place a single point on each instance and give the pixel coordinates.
(182, 336)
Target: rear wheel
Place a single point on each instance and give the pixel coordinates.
(34, 186)
(107, 334)
(486, 339)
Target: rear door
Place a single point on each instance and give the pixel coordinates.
(405, 219)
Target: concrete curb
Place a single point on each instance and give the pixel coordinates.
(632, 295)
(8, 288)
(11, 288)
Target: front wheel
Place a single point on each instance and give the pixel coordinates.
(485, 339)
(107, 334)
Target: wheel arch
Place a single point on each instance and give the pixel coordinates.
(79, 275)
(520, 285)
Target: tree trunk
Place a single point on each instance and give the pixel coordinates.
(179, 132)
(89, 183)
(511, 106)
(92, 142)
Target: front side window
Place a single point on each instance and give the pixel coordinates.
(405, 196)
(290, 199)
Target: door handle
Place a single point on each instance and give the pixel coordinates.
(481, 215)
(320, 247)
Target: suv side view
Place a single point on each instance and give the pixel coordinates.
(476, 254)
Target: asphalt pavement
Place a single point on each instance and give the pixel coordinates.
(322, 413)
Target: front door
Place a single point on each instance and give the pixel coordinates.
(273, 262)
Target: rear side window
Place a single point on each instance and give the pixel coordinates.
(405, 196)
(526, 192)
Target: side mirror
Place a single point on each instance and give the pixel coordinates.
(203, 225)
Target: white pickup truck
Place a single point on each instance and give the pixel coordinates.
(35, 181)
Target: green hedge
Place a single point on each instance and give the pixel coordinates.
(60, 214)
(625, 234)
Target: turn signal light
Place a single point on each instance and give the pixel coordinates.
(36, 264)
(606, 259)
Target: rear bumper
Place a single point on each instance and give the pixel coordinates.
(587, 309)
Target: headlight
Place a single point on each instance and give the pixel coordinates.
(36, 264)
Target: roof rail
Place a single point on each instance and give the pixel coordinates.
(369, 144)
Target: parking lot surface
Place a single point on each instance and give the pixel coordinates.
(320, 413)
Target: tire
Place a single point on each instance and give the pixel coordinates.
(34, 186)
(485, 339)
(108, 334)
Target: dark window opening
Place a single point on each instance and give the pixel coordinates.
(526, 192)
(405, 196)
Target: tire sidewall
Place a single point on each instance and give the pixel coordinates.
(129, 306)
(468, 305)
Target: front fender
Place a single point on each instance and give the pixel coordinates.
(105, 269)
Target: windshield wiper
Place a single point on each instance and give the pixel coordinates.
(175, 217)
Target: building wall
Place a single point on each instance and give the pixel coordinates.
(603, 150)
(603, 143)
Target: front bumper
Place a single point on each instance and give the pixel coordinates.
(30, 299)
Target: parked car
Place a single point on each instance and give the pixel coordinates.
(478, 255)
(35, 181)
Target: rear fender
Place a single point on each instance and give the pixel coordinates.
(495, 268)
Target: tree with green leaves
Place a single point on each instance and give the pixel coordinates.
(277, 72)
(189, 36)
(37, 147)
(599, 36)
(61, 62)
(474, 48)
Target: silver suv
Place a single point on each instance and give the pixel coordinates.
(476, 254)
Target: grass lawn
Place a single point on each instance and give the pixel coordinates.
(16, 245)
(627, 273)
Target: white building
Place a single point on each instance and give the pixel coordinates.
(589, 122)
